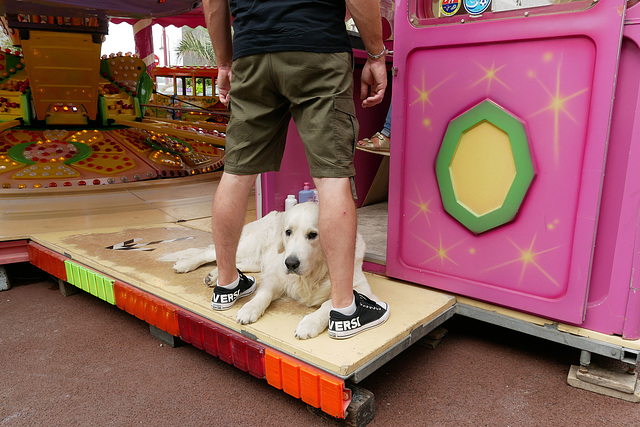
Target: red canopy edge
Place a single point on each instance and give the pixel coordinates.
(190, 19)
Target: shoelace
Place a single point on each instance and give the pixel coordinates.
(373, 304)
(242, 276)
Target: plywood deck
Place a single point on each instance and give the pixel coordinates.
(82, 225)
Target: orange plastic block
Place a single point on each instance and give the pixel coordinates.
(310, 391)
(153, 310)
(47, 260)
(315, 387)
(291, 377)
(273, 369)
(333, 399)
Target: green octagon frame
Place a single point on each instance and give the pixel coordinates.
(490, 112)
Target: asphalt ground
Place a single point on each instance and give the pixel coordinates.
(78, 361)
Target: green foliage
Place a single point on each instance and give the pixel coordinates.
(201, 47)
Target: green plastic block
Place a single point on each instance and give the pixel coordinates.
(90, 281)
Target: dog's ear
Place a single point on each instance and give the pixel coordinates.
(280, 233)
(280, 244)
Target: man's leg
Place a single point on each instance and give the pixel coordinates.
(228, 216)
(337, 225)
(351, 312)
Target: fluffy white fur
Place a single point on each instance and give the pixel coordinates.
(285, 248)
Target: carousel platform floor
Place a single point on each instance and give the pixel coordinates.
(170, 215)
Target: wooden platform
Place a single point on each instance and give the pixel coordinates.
(83, 225)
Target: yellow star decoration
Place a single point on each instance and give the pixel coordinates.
(423, 93)
(490, 74)
(423, 207)
(440, 252)
(557, 105)
(528, 257)
(552, 225)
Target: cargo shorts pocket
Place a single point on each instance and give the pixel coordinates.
(345, 129)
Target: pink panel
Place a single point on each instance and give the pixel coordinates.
(556, 73)
(12, 252)
(613, 305)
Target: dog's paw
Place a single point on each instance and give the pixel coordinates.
(212, 278)
(309, 327)
(248, 314)
(184, 265)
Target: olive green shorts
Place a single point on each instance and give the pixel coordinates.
(267, 90)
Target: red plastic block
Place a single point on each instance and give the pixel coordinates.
(210, 334)
(239, 353)
(221, 342)
(47, 260)
(183, 322)
(225, 350)
(255, 358)
(197, 336)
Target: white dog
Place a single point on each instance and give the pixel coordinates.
(285, 248)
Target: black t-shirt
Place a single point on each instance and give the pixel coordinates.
(288, 25)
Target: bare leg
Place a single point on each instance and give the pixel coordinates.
(337, 224)
(228, 213)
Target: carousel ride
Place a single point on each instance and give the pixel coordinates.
(69, 117)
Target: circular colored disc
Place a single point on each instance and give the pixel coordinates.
(82, 151)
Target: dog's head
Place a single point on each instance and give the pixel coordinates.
(299, 240)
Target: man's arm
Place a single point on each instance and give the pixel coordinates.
(373, 81)
(218, 18)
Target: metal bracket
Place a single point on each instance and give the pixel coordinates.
(550, 332)
(412, 338)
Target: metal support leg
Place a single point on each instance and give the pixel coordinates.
(611, 381)
(360, 411)
(585, 361)
(164, 337)
(67, 289)
(4, 279)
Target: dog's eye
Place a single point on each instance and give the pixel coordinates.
(288, 232)
(312, 235)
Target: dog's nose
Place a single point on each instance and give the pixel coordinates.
(292, 262)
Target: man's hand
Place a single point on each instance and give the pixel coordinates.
(224, 84)
(373, 82)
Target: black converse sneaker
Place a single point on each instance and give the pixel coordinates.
(368, 314)
(223, 298)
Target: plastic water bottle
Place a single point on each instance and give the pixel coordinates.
(305, 194)
(290, 202)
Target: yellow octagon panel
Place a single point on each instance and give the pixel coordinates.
(482, 168)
